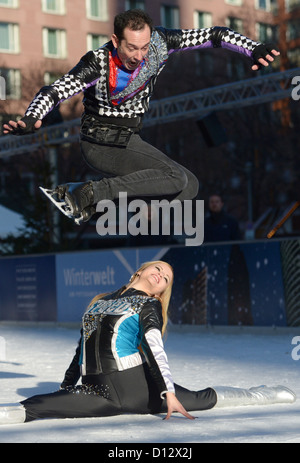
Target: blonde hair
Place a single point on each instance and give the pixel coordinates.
(164, 298)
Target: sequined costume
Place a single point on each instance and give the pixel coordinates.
(91, 75)
(117, 376)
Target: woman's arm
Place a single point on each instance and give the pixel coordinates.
(72, 374)
(156, 357)
(175, 406)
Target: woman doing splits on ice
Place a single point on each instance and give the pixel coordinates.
(123, 365)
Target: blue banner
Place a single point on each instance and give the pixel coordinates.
(245, 283)
(27, 289)
(228, 284)
(81, 276)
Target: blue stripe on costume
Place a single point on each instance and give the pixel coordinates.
(128, 336)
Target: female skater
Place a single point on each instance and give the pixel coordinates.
(123, 365)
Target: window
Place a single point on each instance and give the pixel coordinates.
(266, 5)
(54, 43)
(12, 80)
(234, 2)
(4, 180)
(50, 77)
(95, 41)
(235, 69)
(290, 5)
(293, 31)
(170, 16)
(28, 180)
(236, 24)
(9, 38)
(204, 64)
(202, 19)
(9, 3)
(97, 10)
(294, 56)
(132, 4)
(261, 4)
(54, 6)
(266, 32)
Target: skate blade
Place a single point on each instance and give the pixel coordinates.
(62, 205)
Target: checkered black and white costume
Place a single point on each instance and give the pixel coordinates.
(91, 74)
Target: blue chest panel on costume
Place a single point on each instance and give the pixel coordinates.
(128, 336)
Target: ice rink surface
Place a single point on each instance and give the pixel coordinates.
(33, 360)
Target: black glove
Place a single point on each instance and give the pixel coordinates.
(29, 121)
(261, 51)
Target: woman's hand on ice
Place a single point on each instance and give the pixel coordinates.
(175, 406)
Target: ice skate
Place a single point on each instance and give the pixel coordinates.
(87, 213)
(261, 395)
(75, 200)
(12, 414)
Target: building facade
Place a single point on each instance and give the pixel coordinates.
(40, 39)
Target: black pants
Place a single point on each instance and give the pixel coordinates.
(129, 391)
(139, 170)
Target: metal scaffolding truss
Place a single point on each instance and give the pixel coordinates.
(269, 87)
(52, 135)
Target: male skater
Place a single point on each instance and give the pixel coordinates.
(117, 80)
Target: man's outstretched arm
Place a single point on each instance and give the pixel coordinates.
(83, 75)
(220, 37)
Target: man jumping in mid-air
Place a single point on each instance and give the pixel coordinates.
(117, 80)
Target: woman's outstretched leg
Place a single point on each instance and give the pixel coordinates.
(261, 395)
(12, 414)
(73, 402)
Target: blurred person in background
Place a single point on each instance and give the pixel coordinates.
(218, 225)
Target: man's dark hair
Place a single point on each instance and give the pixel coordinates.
(135, 19)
